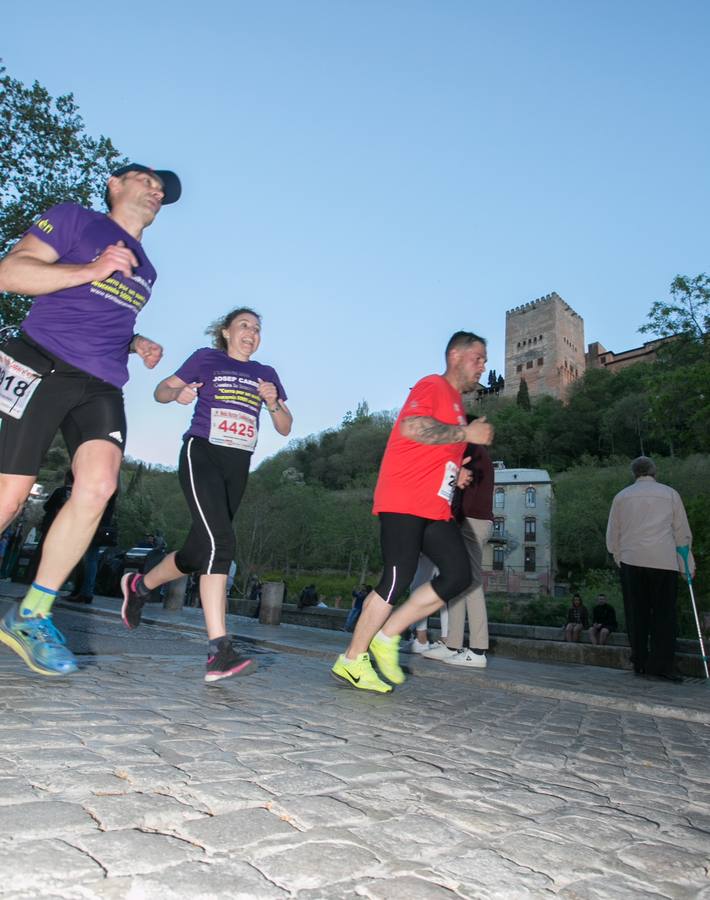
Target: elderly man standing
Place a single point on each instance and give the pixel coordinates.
(646, 523)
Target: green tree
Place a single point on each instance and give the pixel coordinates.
(523, 398)
(45, 158)
(687, 312)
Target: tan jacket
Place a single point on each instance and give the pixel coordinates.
(647, 522)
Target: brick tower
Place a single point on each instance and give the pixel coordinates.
(544, 343)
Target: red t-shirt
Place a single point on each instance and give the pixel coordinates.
(419, 479)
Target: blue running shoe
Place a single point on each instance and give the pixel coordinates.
(38, 641)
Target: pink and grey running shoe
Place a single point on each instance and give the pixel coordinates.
(226, 663)
(132, 608)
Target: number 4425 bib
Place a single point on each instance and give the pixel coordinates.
(233, 428)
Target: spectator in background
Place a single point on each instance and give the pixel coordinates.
(577, 620)
(647, 522)
(603, 621)
(52, 506)
(308, 597)
(359, 594)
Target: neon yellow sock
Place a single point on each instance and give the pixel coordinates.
(37, 601)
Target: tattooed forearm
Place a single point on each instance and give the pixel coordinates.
(425, 430)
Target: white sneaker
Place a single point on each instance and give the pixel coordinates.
(439, 650)
(467, 657)
(416, 647)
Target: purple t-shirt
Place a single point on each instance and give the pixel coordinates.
(90, 325)
(228, 403)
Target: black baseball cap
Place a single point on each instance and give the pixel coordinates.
(171, 183)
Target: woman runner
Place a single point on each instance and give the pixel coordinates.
(230, 389)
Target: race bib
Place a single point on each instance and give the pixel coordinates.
(233, 428)
(17, 384)
(448, 484)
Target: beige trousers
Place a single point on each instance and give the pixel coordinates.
(475, 533)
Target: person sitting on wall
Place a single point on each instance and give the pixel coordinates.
(603, 621)
(577, 620)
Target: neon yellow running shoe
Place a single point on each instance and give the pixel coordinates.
(386, 655)
(359, 673)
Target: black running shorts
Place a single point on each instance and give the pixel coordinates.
(403, 537)
(83, 407)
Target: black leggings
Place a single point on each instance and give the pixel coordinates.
(212, 479)
(404, 537)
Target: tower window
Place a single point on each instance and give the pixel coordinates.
(519, 368)
(498, 557)
(531, 497)
(530, 529)
(499, 498)
(539, 360)
(528, 364)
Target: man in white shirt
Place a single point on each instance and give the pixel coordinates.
(646, 523)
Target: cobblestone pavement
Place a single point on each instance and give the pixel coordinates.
(134, 779)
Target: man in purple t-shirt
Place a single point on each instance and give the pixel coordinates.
(90, 278)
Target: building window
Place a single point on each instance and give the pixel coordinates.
(530, 529)
(498, 557)
(519, 368)
(530, 497)
(539, 360)
(499, 501)
(529, 559)
(528, 364)
(540, 337)
(498, 527)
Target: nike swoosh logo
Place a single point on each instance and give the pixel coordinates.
(353, 678)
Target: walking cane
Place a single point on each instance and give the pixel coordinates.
(683, 553)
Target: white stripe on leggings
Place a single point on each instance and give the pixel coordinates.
(394, 582)
(199, 508)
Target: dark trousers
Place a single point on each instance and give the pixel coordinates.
(650, 607)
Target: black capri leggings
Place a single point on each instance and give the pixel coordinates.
(212, 479)
(404, 537)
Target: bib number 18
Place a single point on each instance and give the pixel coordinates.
(17, 384)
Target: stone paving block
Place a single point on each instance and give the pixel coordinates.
(617, 886)
(154, 777)
(361, 772)
(558, 859)
(38, 739)
(668, 862)
(485, 875)
(44, 865)
(150, 812)
(414, 836)
(16, 790)
(223, 767)
(319, 864)
(407, 887)
(77, 784)
(232, 831)
(301, 781)
(206, 881)
(134, 852)
(317, 812)
(221, 796)
(525, 803)
(23, 821)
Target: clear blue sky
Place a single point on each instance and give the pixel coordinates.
(372, 176)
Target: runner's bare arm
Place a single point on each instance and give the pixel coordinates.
(280, 414)
(174, 388)
(426, 430)
(31, 267)
(150, 352)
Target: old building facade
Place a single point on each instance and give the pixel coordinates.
(518, 557)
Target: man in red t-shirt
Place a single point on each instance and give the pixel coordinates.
(419, 472)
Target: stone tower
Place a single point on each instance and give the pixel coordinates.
(544, 343)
